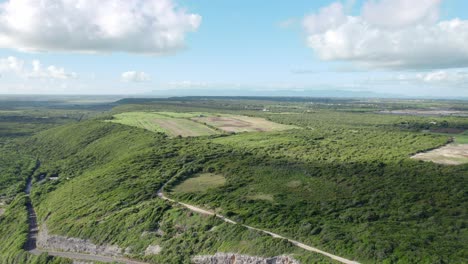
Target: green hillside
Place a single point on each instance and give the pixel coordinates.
(344, 182)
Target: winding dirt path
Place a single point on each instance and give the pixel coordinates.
(294, 242)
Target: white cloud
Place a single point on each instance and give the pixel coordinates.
(137, 26)
(134, 76)
(50, 72)
(401, 13)
(11, 64)
(331, 16)
(444, 77)
(17, 67)
(456, 79)
(395, 34)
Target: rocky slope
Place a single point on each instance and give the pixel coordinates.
(231, 258)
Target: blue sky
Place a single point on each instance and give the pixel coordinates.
(240, 45)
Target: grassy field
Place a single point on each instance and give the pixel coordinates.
(237, 123)
(141, 120)
(200, 183)
(194, 124)
(164, 123)
(184, 127)
(462, 138)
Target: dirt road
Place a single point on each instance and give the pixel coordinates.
(294, 242)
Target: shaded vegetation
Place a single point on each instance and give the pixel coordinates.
(344, 182)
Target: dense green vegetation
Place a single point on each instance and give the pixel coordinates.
(344, 182)
(14, 170)
(19, 120)
(13, 235)
(112, 200)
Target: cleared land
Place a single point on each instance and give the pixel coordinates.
(163, 123)
(453, 154)
(236, 124)
(140, 119)
(201, 183)
(184, 127)
(196, 123)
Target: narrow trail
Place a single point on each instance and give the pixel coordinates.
(31, 243)
(227, 220)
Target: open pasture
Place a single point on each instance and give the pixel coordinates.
(183, 127)
(200, 183)
(236, 123)
(195, 123)
(453, 154)
(163, 123)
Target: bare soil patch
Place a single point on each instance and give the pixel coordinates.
(238, 124)
(452, 154)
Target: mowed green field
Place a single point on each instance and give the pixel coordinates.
(139, 119)
(200, 183)
(163, 123)
(195, 124)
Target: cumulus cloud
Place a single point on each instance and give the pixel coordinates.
(17, 67)
(444, 77)
(134, 76)
(11, 64)
(450, 78)
(50, 72)
(401, 13)
(397, 34)
(136, 26)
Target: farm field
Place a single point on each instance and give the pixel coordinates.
(236, 123)
(163, 123)
(194, 124)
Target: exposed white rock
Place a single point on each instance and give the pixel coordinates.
(231, 258)
(71, 244)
